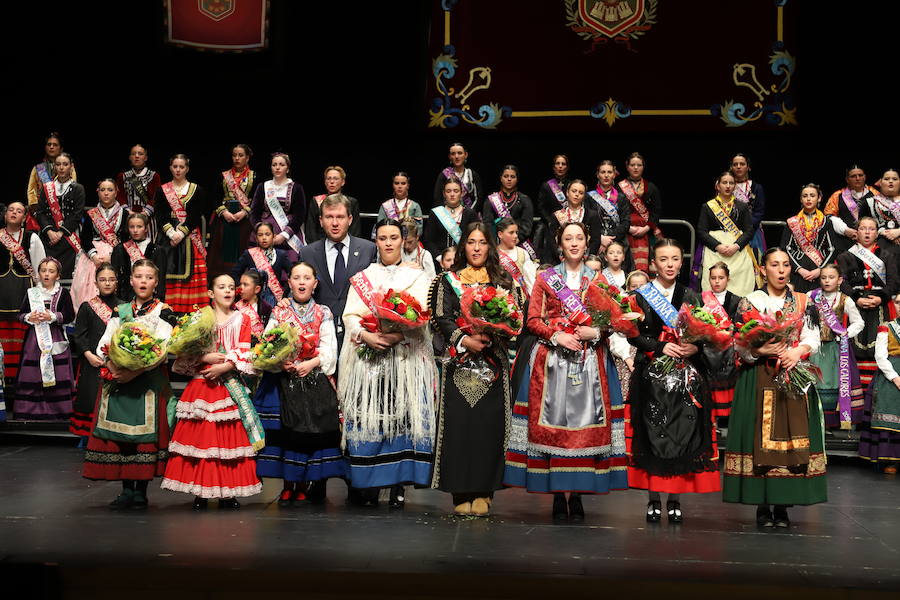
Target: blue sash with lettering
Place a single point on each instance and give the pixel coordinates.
(448, 222)
(607, 206)
(659, 304)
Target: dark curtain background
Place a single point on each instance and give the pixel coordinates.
(345, 82)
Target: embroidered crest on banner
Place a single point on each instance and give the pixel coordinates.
(602, 20)
(216, 9)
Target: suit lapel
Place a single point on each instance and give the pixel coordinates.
(322, 267)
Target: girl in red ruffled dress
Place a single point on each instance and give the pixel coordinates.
(218, 433)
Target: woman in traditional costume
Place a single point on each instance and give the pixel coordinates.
(775, 452)
(725, 230)
(298, 405)
(879, 432)
(475, 396)
(387, 379)
(136, 247)
(130, 431)
(59, 212)
(669, 433)
(509, 202)
(105, 228)
(751, 194)
(577, 210)
(847, 205)
(180, 208)
(473, 192)
(90, 324)
(613, 208)
(447, 222)
(870, 280)
(808, 239)
(722, 367)
(44, 172)
(514, 259)
(137, 190)
(886, 210)
(568, 419)
(231, 225)
(335, 179)
(218, 432)
(280, 201)
(46, 382)
(20, 253)
(840, 322)
(552, 193)
(265, 258)
(400, 206)
(646, 209)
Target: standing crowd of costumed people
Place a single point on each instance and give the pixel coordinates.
(476, 342)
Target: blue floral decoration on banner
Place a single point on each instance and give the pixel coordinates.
(611, 111)
(774, 104)
(443, 112)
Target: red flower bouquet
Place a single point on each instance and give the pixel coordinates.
(491, 310)
(759, 328)
(399, 311)
(611, 310)
(697, 324)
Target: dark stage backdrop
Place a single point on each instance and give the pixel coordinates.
(347, 83)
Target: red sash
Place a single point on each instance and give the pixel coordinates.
(256, 326)
(511, 267)
(134, 253)
(712, 304)
(235, 188)
(262, 264)
(286, 314)
(101, 308)
(15, 248)
(181, 214)
(364, 288)
(56, 212)
(104, 226)
(808, 249)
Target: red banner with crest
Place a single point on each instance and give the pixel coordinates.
(219, 25)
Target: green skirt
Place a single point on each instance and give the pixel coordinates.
(745, 485)
(886, 401)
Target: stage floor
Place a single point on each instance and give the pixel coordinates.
(56, 526)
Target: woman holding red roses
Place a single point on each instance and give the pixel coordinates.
(568, 421)
(473, 406)
(386, 381)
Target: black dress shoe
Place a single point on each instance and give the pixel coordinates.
(229, 504)
(123, 500)
(781, 517)
(576, 510)
(398, 497)
(673, 511)
(654, 511)
(560, 508)
(200, 503)
(764, 517)
(316, 492)
(370, 497)
(139, 501)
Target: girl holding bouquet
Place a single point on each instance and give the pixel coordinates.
(475, 396)
(721, 363)
(138, 246)
(669, 430)
(126, 446)
(296, 400)
(568, 419)
(775, 454)
(218, 432)
(90, 324)
(386, 393)
(870, 280)
(840, 322)
(46, 383)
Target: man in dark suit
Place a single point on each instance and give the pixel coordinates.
(337, 258)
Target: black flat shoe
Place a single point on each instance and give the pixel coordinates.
(673, 511)
(560, 508)
(229, 504)
(123, 500)
(370, 497)
(139, 501)
(764, 517)
(200, 503)
(316, 492)
(781, 518)
(654, 511)
(398, 497)
(576, 510)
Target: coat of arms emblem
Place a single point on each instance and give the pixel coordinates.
(603, 20)
(216, 9)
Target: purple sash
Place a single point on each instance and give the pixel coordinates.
(499, 206)
(850, 201)
(570, 301)
(467, 199)
(554, 187)
(831, 319)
